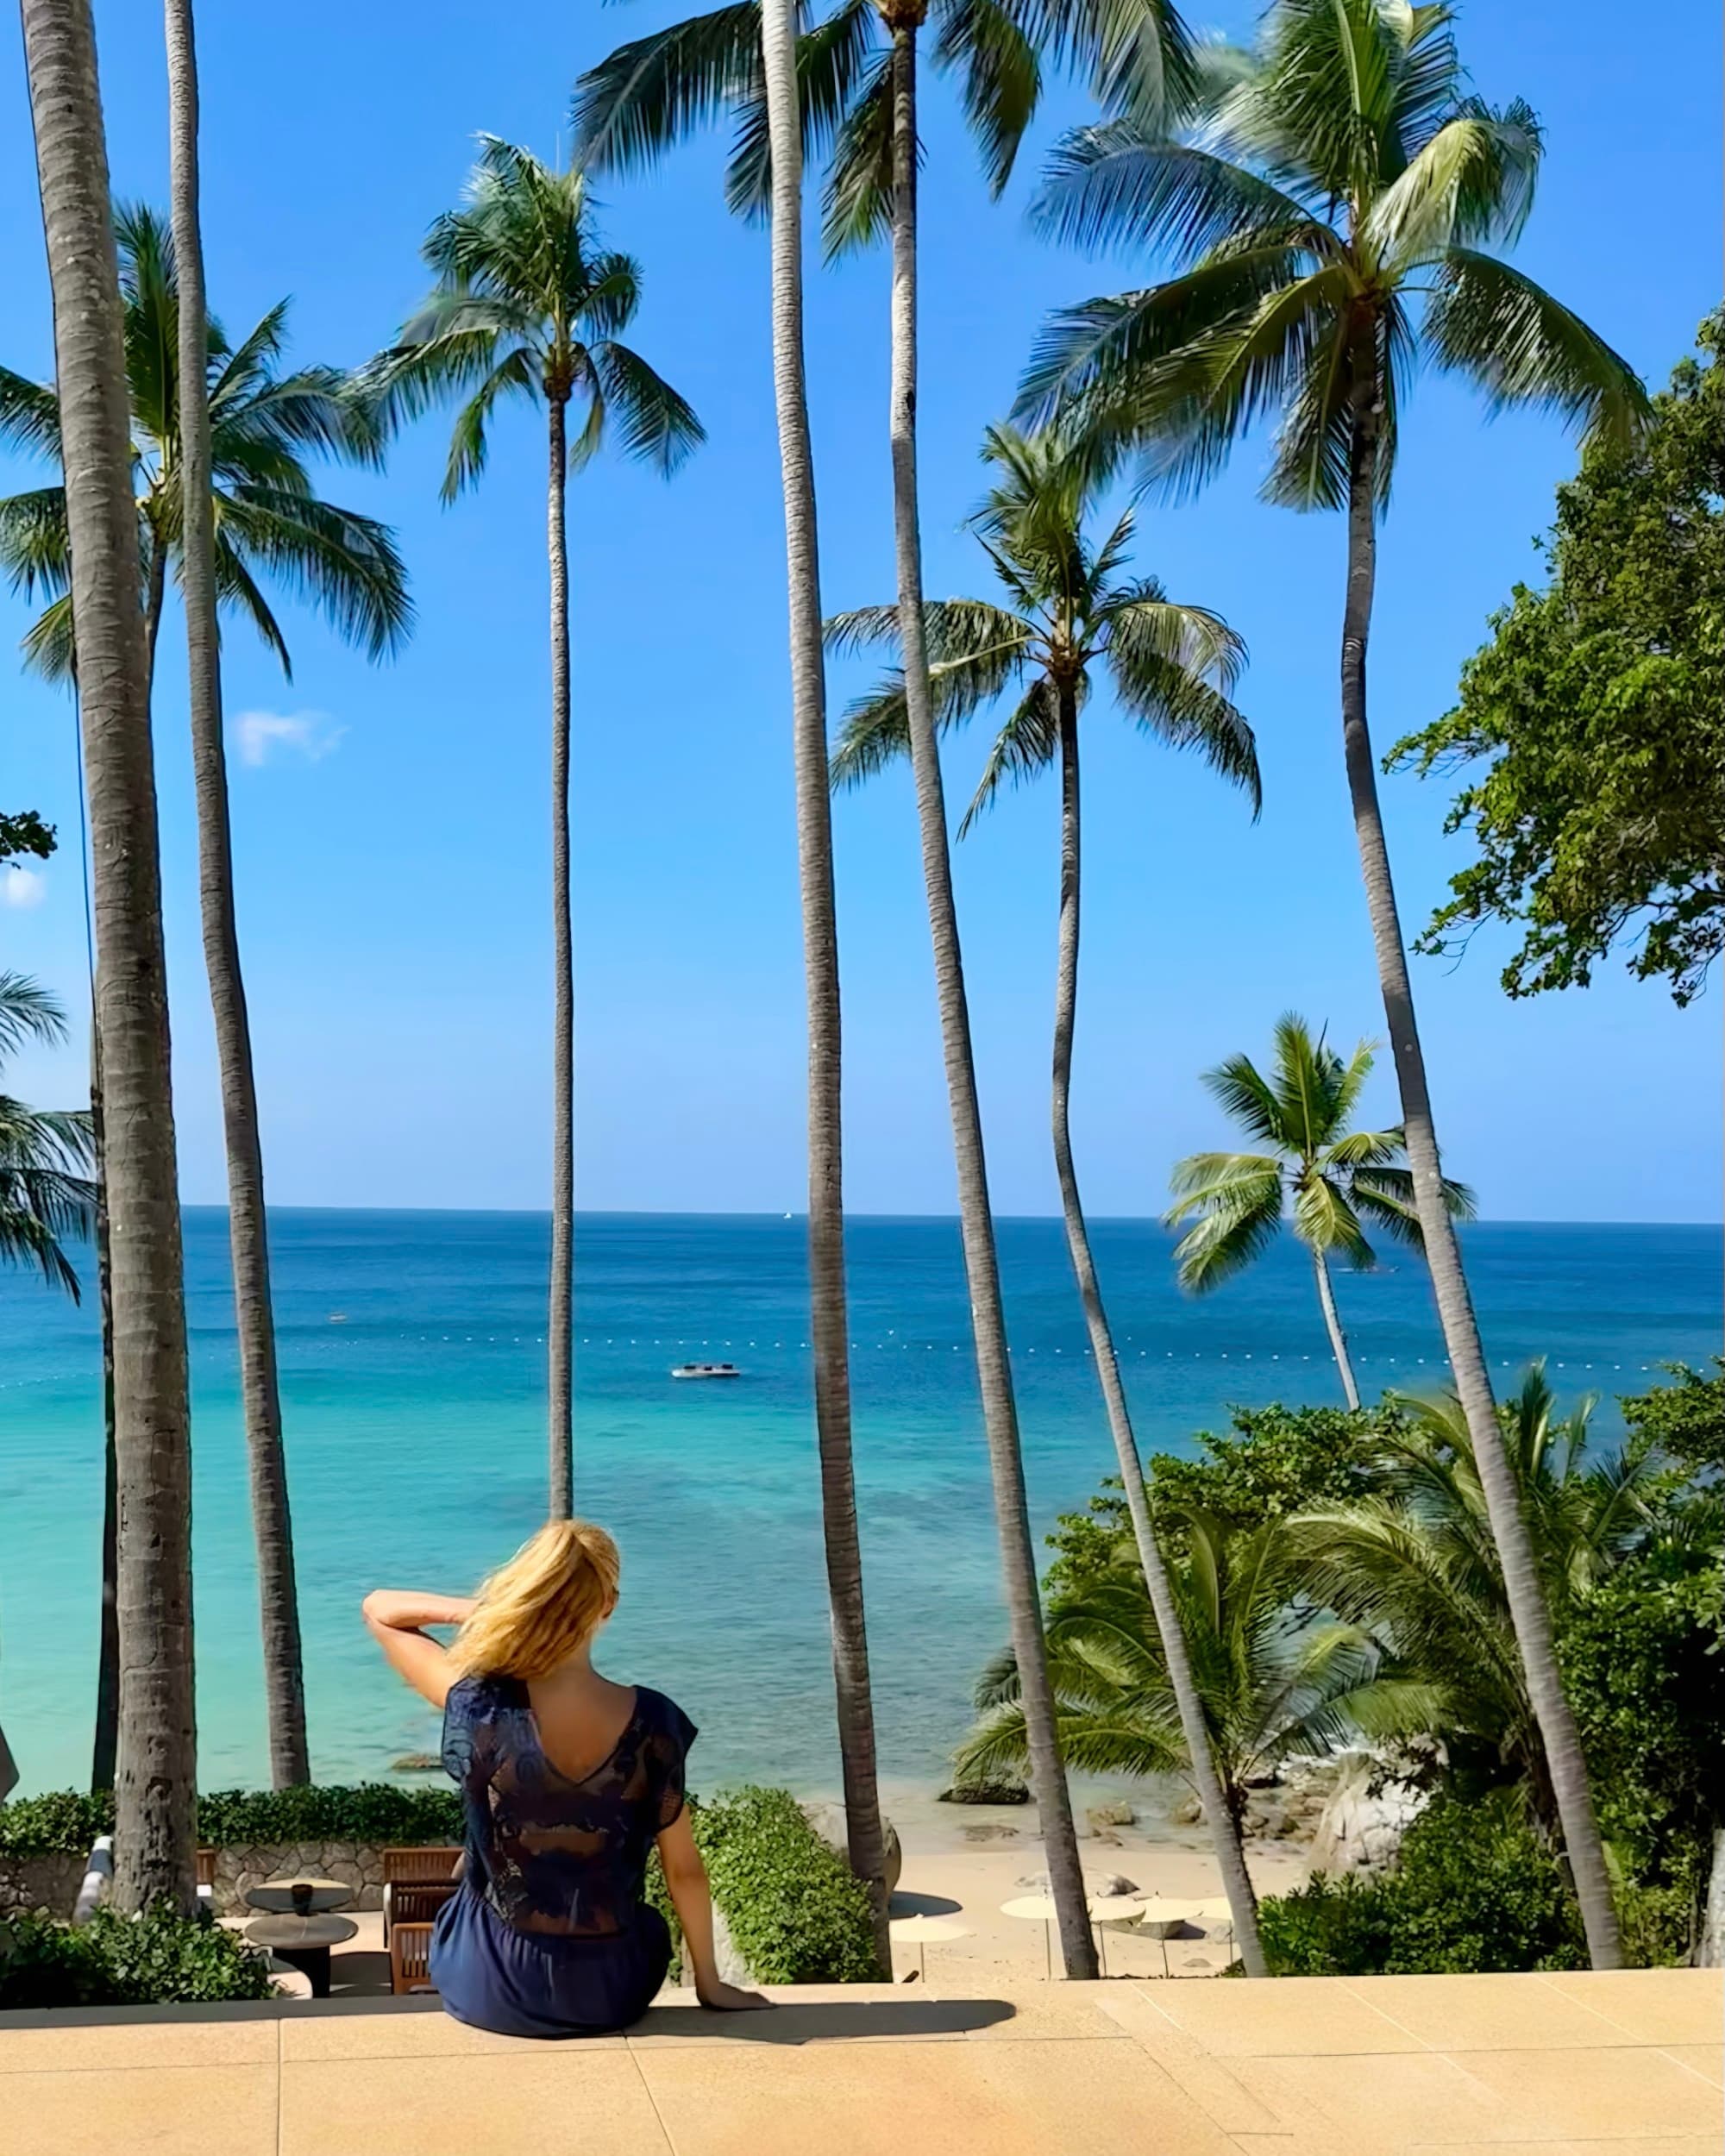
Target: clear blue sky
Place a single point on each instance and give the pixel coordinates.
(392, 884)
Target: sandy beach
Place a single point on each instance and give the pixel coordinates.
(963, 1862)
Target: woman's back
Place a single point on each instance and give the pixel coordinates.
(552, 1852)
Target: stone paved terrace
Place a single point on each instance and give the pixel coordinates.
(1613, 2065)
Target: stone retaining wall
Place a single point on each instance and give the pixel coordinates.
(41, 1883)
(52, 1882)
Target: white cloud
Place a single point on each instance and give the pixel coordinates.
(259, 735)
(23, 888)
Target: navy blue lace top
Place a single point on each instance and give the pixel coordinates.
(550, 1854)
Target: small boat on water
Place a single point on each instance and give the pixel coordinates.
(705, 1369)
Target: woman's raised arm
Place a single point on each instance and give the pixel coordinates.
(394, 1619)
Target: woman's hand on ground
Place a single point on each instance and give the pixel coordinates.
(730, 1998)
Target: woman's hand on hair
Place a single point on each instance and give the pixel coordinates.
(394, 1619)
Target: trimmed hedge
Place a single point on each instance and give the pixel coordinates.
(795, 1909)
(156, 1959)
(67, 1823)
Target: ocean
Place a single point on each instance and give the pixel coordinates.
(412, 1366)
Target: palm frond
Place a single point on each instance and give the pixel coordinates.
(345, 565)
(29, 1011)
(1241, 1216)
(831, 57)
(35, 552)
(29, 416)
(1520, 346)
(1324, 1221)
(657, 424)
(1247, 1097)
(1025, 745)
(657, 90)
(999, 77)
(857, 202)
(1122, 183)
(1472, 182)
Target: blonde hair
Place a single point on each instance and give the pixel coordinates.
(543, 1605)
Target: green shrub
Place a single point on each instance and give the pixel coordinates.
(1477, 1888)
(369, 1812)
(1331, 1928)
(796, 1911)
(155, 1959)
(65, 1822)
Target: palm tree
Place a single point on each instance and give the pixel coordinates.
(1417, 1566)
(270, 525)
(242, 467)
(45, 1196)
(156, 1784)
(271, 1521)
(1332, 222)
(1070, 609)
(1331, 1181)
(528, 304)
(863, 102)
(829, 1319)
(1272, 1678)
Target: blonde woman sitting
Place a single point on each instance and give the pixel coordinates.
(568, 1781)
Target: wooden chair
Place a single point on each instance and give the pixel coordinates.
(436, 1868)
(206, 1877)
(409, 1946)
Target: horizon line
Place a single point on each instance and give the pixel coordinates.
(777, 1213)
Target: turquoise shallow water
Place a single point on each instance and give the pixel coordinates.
(416, 1434)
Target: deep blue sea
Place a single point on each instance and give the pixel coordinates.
(412, 1364)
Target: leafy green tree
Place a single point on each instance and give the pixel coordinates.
(46, 1195)
(25, 836)
(1273, 1678)
(1644, 1658)
(862, 100)
(1271, 1463)
(1598, 711)
(1416, 1563)
(529, 305)
(1330, 1181)
(1334, 222)
(1685, 1420)
(1071, 611)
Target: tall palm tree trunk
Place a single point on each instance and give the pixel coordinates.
(982, 1265)
(155, 1785)
(248, 1227)
(1525, 1597)
(107, 1734)
(559, 1325)
(1339, 1346)
(1224, 1832)
(155, 589)
(828, 1315)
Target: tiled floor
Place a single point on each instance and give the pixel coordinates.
(1612, 2065)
